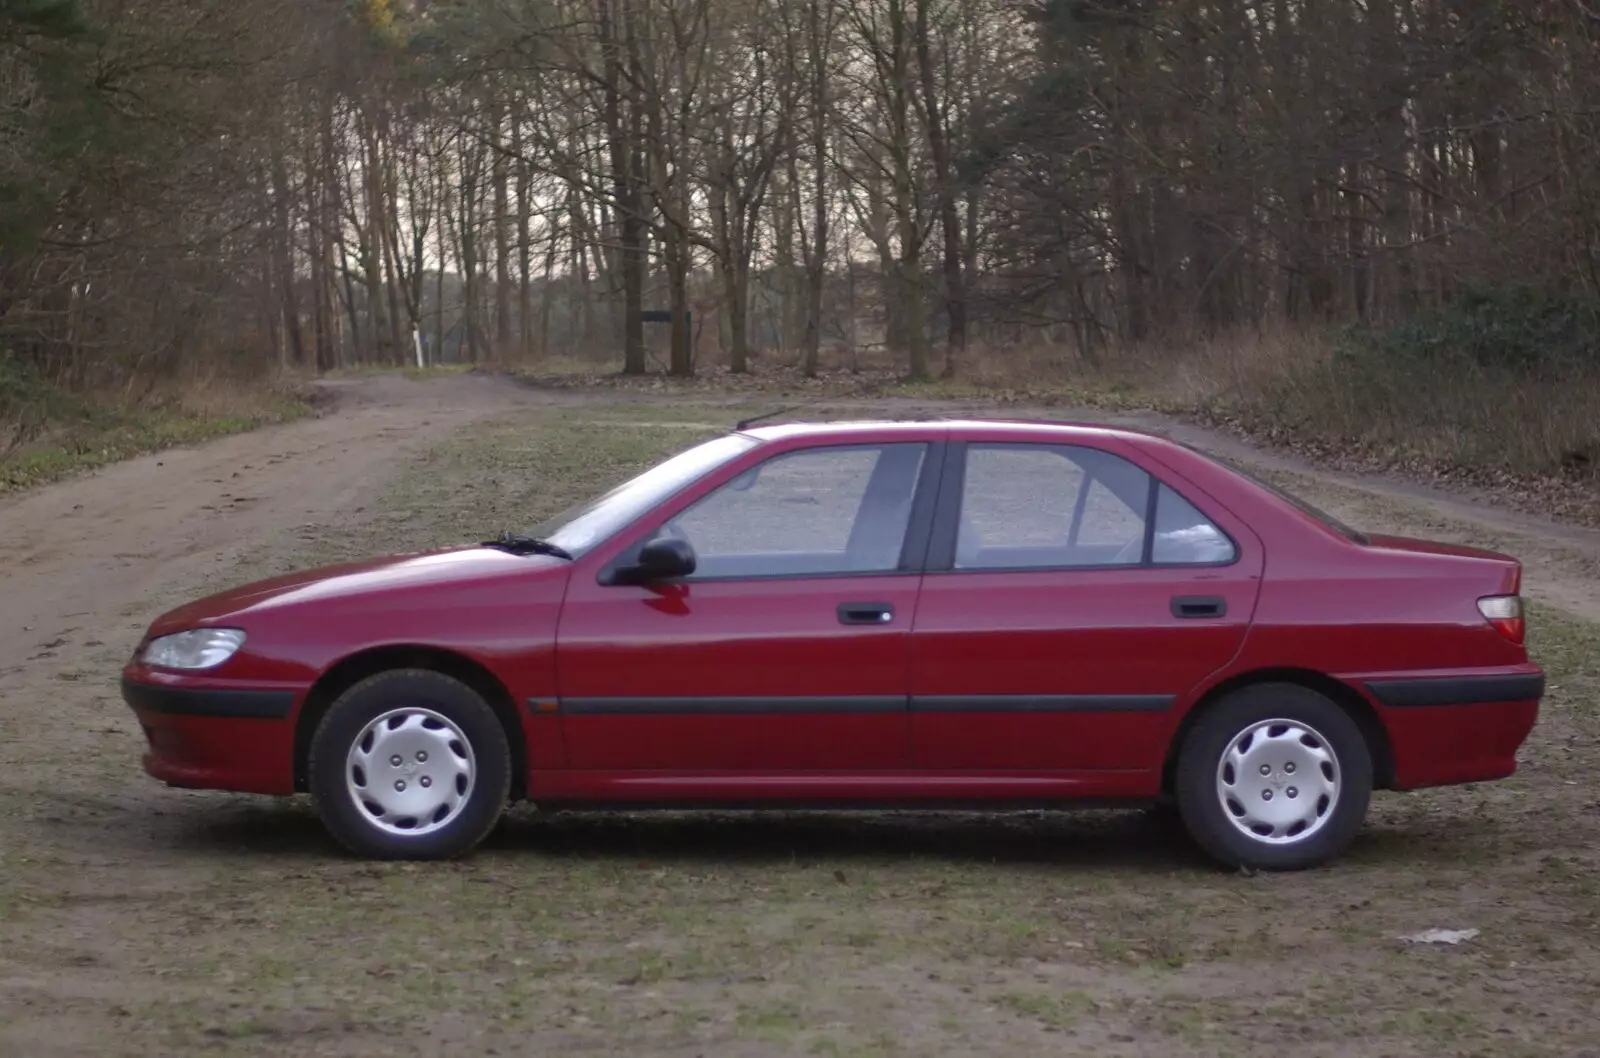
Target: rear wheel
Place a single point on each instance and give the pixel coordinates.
(410, 764)
(1274, 776)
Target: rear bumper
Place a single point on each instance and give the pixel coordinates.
(1446, 729)
(1423, 691)
(208, 736)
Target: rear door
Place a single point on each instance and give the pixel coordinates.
(787, 649)
(1071, 599)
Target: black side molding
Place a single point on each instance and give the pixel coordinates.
(1458, 690)
(1041, 703)
(238, 705)
(886, 703)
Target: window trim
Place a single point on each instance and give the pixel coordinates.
(947, 516)
(913, 547)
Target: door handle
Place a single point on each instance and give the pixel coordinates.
(1199, 606)
(865, 613)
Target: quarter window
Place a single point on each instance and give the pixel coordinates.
(1184, 536)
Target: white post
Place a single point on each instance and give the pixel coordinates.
(416, 339)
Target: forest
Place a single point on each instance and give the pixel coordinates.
(670, 185)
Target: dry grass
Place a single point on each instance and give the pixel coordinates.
(1297, 387)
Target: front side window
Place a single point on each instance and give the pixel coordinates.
(1053, 506)
(586, 525)
(817, 511)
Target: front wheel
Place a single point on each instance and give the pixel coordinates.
(1275, 777)
(410, 764)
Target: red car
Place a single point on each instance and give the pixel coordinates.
(988, 614)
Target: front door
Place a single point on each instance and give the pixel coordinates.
(1071, 599)
(785, 651)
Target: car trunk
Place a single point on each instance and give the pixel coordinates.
(1435, 547)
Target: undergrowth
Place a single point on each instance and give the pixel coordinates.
(1498, 381)
(48, 433)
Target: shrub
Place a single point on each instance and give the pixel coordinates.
(1515, 329)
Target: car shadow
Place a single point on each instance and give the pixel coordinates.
(1123, 839)
(247, 828)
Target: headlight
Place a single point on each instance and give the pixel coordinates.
(198, 648)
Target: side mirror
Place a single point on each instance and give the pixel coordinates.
(664, 558)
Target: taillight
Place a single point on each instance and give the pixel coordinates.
(1505, 613)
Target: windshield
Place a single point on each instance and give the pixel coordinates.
(579, 528)
(1318, 513)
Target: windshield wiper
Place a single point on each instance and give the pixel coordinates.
(518, 544)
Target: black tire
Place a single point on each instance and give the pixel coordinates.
(1200, 757)
(488, 791)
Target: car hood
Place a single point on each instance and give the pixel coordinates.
(458, 565)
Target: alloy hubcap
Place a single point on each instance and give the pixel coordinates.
(410, 771)
(1278, 781)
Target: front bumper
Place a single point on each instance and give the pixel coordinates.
(209, 735)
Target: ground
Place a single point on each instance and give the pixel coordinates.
(137, 920)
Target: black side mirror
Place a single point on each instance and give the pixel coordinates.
(664, 558)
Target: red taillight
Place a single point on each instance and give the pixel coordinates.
(1505, 613)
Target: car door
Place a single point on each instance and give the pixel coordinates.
(786, 650)
(1070, 599)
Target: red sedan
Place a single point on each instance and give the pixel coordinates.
(974, 613)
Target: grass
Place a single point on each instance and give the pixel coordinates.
(241, 931)
(1054, 1011)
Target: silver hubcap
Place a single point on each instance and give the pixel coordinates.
(1278, 781)
(410, 771)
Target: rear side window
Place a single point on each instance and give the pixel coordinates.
(1027, 506)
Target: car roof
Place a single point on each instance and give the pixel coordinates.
(953, 429)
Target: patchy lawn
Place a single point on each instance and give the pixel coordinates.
(139, 921)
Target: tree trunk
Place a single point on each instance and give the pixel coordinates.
(625, 131)
(818, 47)
(955, 290)
(524, 278)
(682, 357)
(499, 175)
(283, 257)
